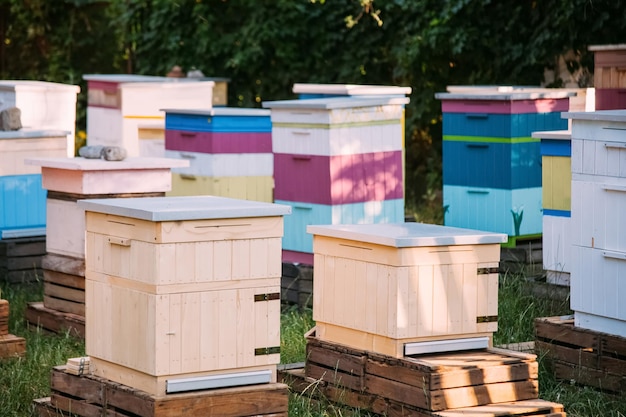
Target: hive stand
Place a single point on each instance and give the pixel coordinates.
(10, 345)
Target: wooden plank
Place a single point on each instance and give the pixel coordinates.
(4, 317)
(61, 278)
(63, 264)
(64, 306)
(82, 408)
(23, 246)
(572, 355)
(335, 377)
(555, 329)
(518, 408)
(43, 408)
(76, 295)
(57, 322)
(342, 361)
(20, 263)
(590, 377)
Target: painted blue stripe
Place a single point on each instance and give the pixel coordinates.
(501, 125)
(492, 165)
(303, 214)
(491, 210)
(22, 202)
(557, 213)
(553, 147)
(220, 124)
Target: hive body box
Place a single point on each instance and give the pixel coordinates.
(336, 160)
(43, 105)
(22, 200)
(556, 151)
(609, 76)
(229, 150)
(182, 287)
(491, 162)
(70, 179)
(598, 221)
(121, 109)
(396, 288)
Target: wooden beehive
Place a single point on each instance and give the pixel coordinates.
(229, 150)
(70, 179)
(43, 105)
(598, 207)
(119, 106)
(22, 200)
(556, 172)
(491, 162)
(182, 287)
(337, 160)
(609, 76)
(394, 288)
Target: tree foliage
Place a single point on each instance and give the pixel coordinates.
(264, 46)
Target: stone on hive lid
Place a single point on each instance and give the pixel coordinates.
(11, 119)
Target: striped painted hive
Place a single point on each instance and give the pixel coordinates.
(337, 155)
(609, 75)
(597, 220)
(556, 150)
(405, 288)
(183, 291)
(120, 106)
(22, 199)
(490, 159)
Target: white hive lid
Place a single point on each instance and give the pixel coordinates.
(85, 164)
(336, 102)
(404, 235)
(183, 208)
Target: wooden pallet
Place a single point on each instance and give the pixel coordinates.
(89, 395)
(20, 259)
(4, 317)
(55, 321)
(432, 382)
(325, 392)
(296, 285)
(583, 356)
(64, 284)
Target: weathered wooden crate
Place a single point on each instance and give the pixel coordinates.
(200, 278)
(89, 395)
(432, 382)
(391, 287)
(10, 345)
(21, 258)
(583, 356)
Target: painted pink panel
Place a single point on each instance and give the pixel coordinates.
(341, 179)
(107, 88)
(610, 98)
(505, 106)
(218, 142)
(297, 257)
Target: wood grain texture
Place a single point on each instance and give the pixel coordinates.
(55, 321)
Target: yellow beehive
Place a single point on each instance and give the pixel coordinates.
(181, 288)
(397, 288)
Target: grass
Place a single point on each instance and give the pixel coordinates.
(24, 379)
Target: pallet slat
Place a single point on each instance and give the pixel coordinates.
(12, 346)
(54, 321)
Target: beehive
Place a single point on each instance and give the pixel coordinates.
(22, 200)
(182, 288)
(229, 150)
(313, 90)
(598, 221)
(70, 179)
(491, 162)
(401, 288)
(120, 106)
(556, 151)
(43, 105)
(337, 160)
(609, 76)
